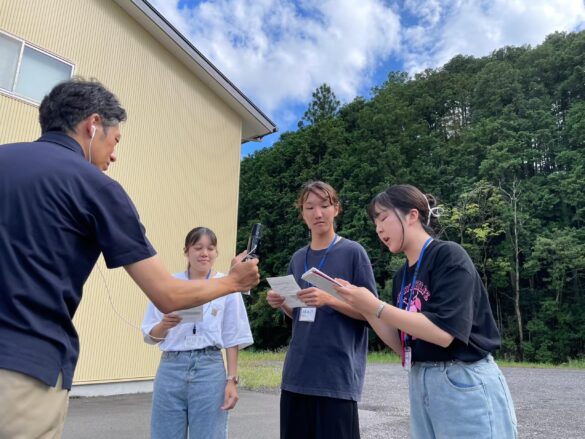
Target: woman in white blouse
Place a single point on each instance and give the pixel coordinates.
(192, 394)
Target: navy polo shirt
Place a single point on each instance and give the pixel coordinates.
(58, 213)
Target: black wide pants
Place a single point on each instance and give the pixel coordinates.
(317, 417)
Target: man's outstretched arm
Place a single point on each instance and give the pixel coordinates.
(169, 294)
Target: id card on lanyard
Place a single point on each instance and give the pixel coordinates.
(405, 338)
(195, 341)
(309, 314)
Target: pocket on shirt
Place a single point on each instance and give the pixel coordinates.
(212, 320)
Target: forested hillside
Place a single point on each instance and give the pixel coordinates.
(499, 140)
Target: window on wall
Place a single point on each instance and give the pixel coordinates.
(28, 72)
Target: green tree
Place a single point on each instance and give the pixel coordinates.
(499, 140)
(323, 106)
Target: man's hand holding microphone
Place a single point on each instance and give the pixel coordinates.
(250, 255)
(244, 273)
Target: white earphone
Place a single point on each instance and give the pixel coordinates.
(91, 141)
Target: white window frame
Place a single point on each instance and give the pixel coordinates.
(23, 44)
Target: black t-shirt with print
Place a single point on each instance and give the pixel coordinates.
(450, 293)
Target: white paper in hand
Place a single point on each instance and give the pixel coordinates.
(288, 288)
(320, 280)
(191, 315)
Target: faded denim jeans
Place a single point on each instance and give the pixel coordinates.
(452, 399)
(188, 395)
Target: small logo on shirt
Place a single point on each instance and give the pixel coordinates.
(421, 293)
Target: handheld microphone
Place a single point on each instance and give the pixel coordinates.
(254, 242)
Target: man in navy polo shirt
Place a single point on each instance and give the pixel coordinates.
(58, 213)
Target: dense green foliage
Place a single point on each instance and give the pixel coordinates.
(498, 140)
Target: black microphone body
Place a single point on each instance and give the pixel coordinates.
(253, 244)
(254, 241)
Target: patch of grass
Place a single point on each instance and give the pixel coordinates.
(575, 364)
(383, 357)
(571, 364)
(262, 370)
(249, 355)
(391, 357)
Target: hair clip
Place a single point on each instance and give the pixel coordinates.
(436, 211)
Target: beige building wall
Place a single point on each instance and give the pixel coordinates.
(178, 159)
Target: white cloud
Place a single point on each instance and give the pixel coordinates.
(428, 11)
(477, 27)
(279, 51)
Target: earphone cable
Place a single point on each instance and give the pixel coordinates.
(114, 307)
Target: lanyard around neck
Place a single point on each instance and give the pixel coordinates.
(323, 258)
(404, 337)
(206, 277)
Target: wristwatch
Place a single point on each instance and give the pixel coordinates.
(234, 378)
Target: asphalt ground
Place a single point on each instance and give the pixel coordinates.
(550, 403)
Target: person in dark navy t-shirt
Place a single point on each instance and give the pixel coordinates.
(440, 323)
(325, 365)
(59, 213)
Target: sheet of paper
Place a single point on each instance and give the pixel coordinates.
(287, 287)
(320, 280)
(191, 315)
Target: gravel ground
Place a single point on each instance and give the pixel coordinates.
(549, 402)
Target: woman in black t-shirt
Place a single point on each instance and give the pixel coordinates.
(440, 323)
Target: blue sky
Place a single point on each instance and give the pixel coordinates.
(278, 52)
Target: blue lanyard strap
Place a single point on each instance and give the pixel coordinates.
(323, 258)
(413, 284)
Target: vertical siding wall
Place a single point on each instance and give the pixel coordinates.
(178, 159)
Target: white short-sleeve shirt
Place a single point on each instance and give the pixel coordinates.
(224, 325)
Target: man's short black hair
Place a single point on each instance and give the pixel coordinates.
(74, 100)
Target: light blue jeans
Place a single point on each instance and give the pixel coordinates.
(451, 400)
(188, 395)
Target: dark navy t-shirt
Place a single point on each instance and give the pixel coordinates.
(58, 213)
(450, 293)
(327, 357)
